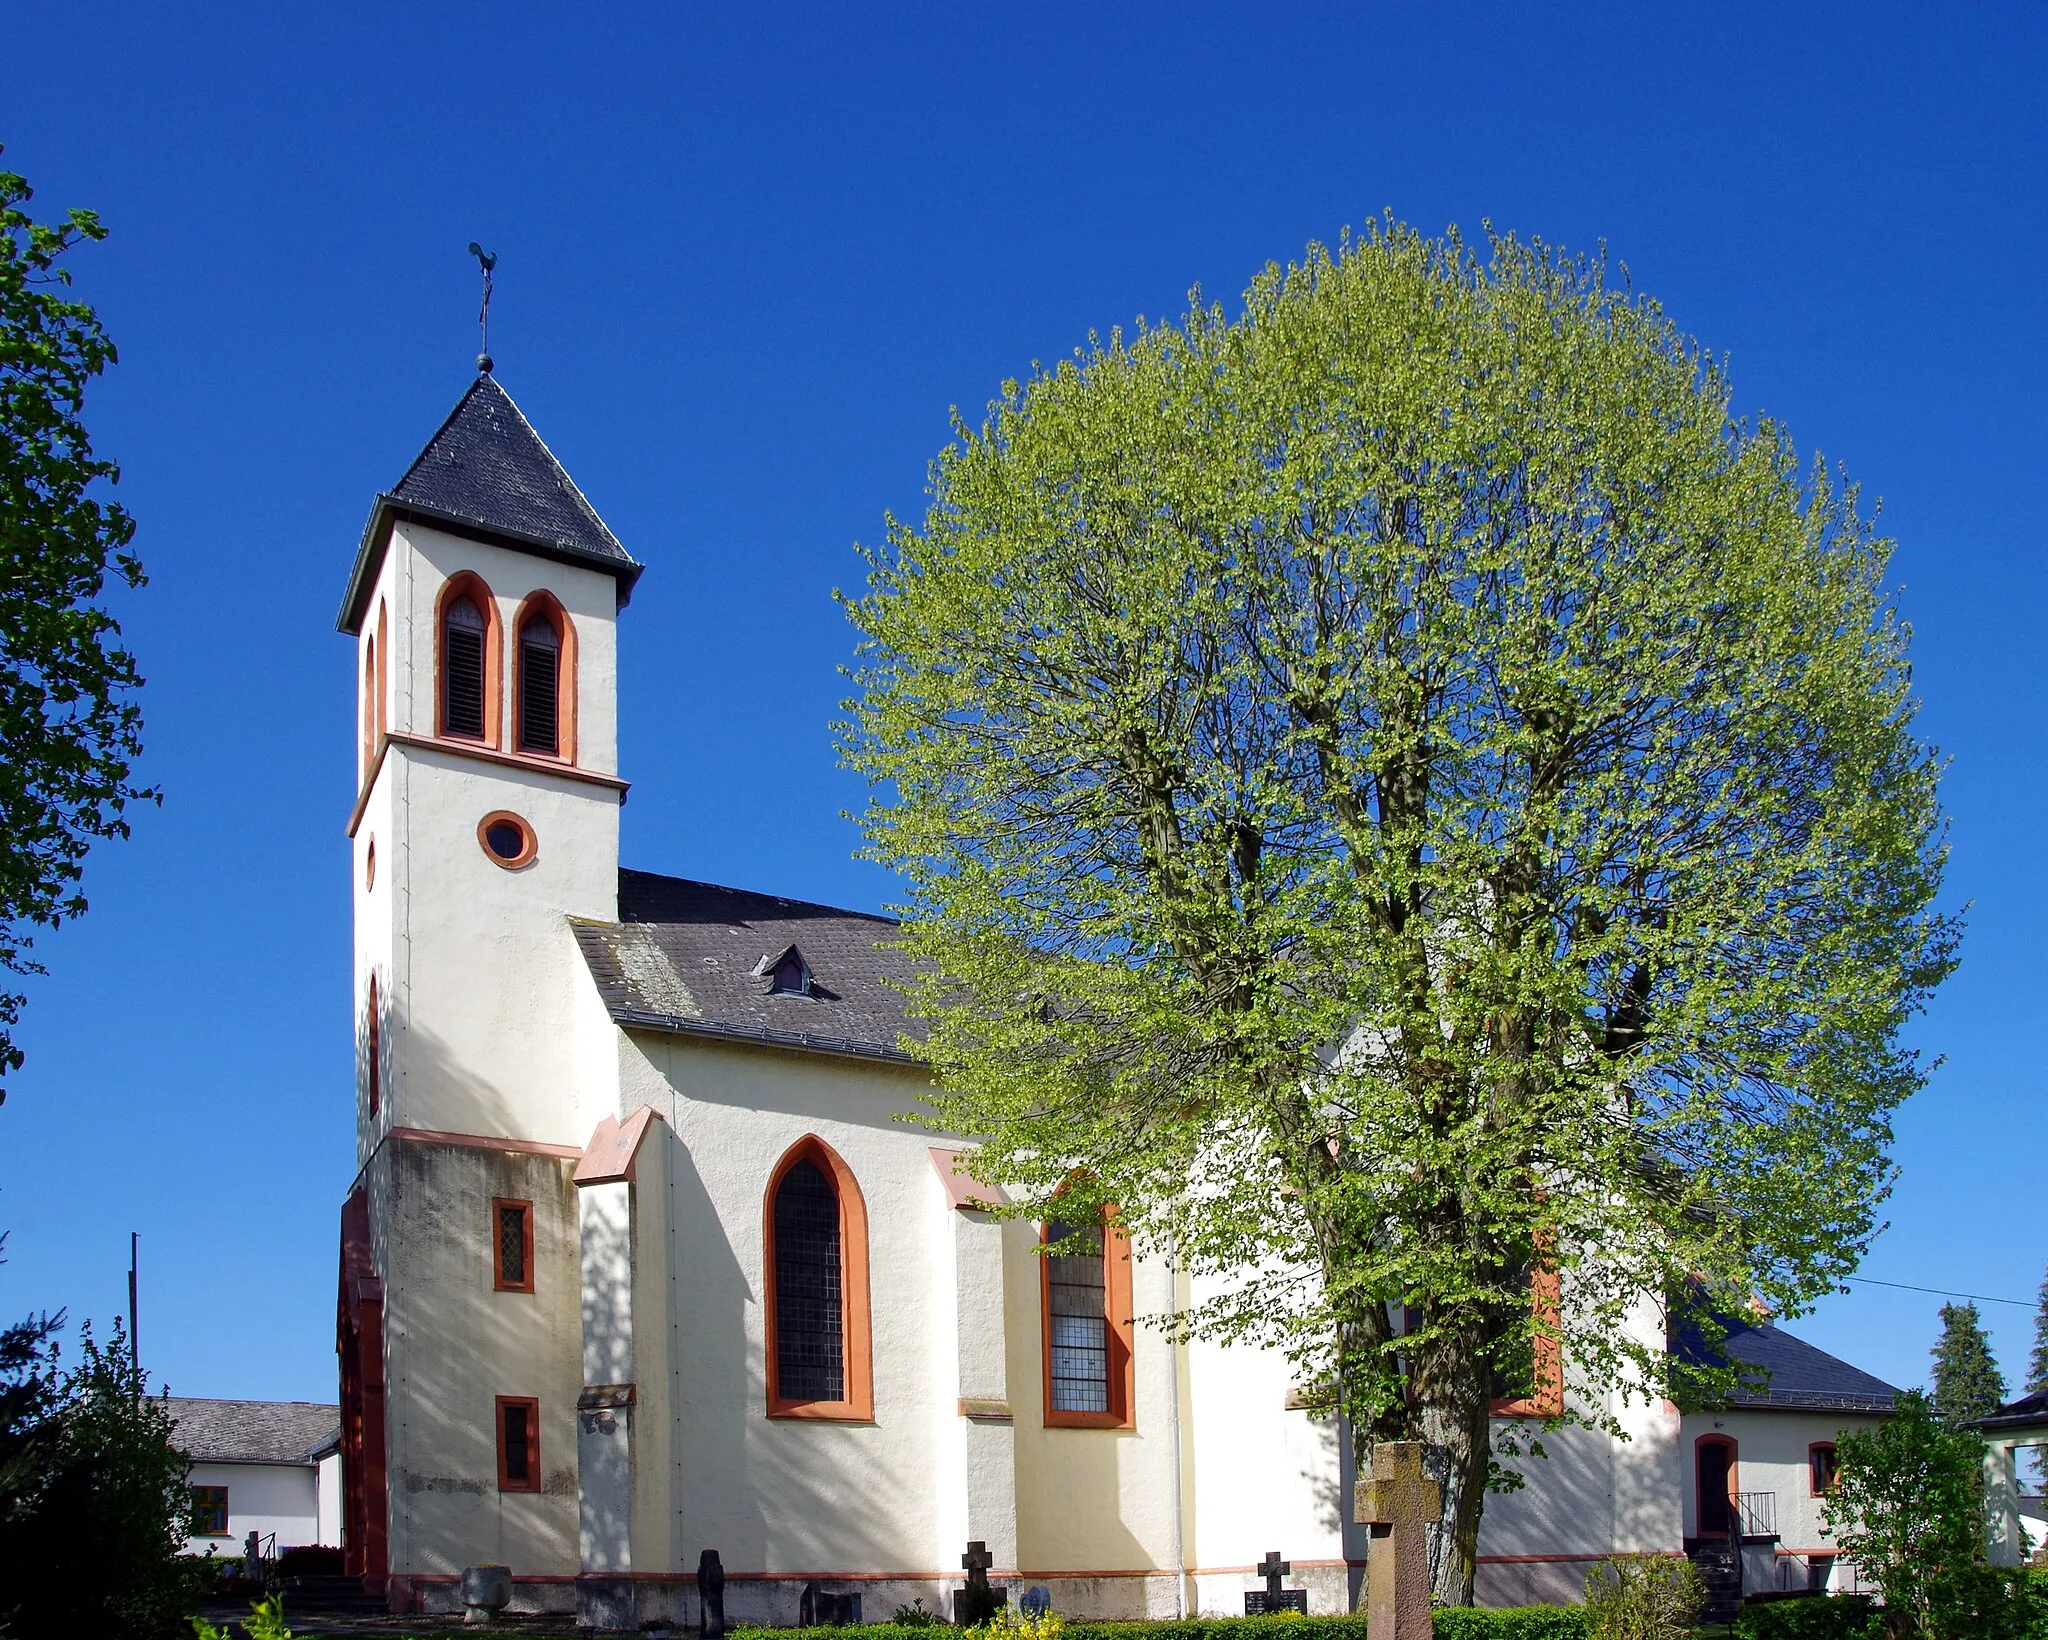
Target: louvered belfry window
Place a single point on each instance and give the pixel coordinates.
(1080, 1322)
(810, 1307)
(462, 670)
(540, 665)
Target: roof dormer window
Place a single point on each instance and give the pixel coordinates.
(786, 972)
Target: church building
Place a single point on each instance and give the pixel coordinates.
(639, 1261)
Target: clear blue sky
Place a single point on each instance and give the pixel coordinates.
(750, 256)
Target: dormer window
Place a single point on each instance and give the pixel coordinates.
(786, 972)
(462, 670)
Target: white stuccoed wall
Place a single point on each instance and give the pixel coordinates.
(262, 1498)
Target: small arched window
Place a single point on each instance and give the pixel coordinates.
(540, 676)
(373, 1046)
(462, 669)
(819, 1363)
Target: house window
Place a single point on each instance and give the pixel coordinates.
(373, 1044)
(512, 1245)
(816, 1265)
(1086, 1293)
(210, 1511)
(1821, 1467)
(540, 659)
(518, 1443)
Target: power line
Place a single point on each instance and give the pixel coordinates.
(1939, 1292)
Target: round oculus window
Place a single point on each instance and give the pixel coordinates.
(507, 839)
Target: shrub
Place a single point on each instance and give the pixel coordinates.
(1643, 1597)
(1452, 1623)
(1819, 1617)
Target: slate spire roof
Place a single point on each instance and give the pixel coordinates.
(487, 473)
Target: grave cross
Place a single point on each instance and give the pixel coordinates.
(1400, 1503)
(1273, 1569)
(978, 1602)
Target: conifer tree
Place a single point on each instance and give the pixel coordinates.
(1967, 1382)
(2037, 1364)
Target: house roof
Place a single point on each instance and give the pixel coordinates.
(487, 473)
(690, 958)
(279, 1432)
(1788, 1372)
(2028, 1412)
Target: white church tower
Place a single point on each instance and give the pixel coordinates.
(484, 602)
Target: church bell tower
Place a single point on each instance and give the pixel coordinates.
(484, 606)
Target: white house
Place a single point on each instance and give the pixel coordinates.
(268, 1467)
(640, 1261)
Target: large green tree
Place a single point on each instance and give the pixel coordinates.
(1967, 1382)
(1397, 789)
(69, 726)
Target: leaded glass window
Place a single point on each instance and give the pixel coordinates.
(810, 1304)
(1080, 1321)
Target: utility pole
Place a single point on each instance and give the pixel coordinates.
(134, 1348)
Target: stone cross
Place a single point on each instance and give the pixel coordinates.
(711, 1594)
(978, 1602)
(1400, 1503)
(1273, 1569)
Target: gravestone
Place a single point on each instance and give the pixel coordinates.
(980, 1600)
(1273, 1598)
(818, 1608)
(1400, 1503)
(710, 1595)
(1036, 1601)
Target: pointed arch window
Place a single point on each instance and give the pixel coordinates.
(540, 667)
(462, 670)
(816, 1269)
(544, 686)
(369, 704)
(1085, 1293)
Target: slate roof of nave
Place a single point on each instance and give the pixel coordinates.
(683, 956)
(1792, 1374)
(283, 1432)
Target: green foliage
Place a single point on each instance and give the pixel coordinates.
(1398, 787)
(1643, 1597)
(1967, 1382)
(1908, 1507)
(1464, 1623)
(2037, 1362)
(94, 1509)
(1822, 1617)
(68, 729)
(264, 1622)
(914, 1616)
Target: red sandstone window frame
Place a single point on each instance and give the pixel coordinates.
(500, 1205)
(1117, 1312)
(369, 706)
(1814, 1449)
(1546, 1399)
(373, 1049)
(544, 605)
(467, 583)
(529, 842)
(857, 1405)
(532, 1481)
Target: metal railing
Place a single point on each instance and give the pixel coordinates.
(1757, 1513)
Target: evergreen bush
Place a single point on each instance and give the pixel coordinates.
(1452, 1623)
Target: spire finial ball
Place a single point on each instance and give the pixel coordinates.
(483, 364)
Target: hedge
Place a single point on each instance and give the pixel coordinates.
(1452, 1623)
(1820, 1617)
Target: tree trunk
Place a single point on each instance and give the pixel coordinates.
(1453, 1382)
